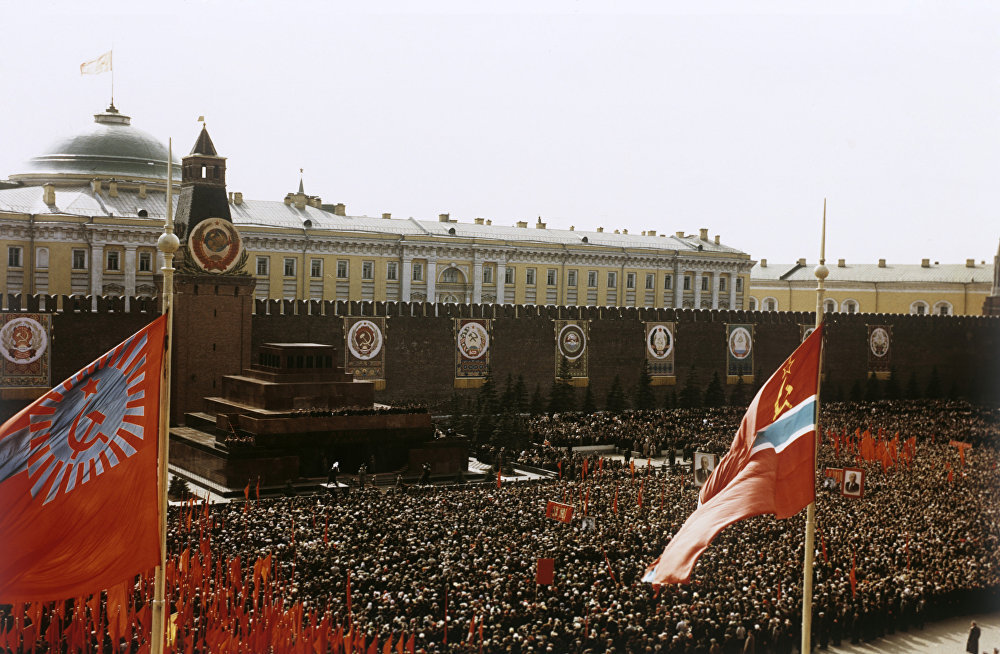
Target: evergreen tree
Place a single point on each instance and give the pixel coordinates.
(537, 405)
(644, 398)
(690, 397)
(616, 396)
(178, 489)
(669, 399)
(933, 391)
(738, 396)
(890, 390)
(912, 390)
(521, 395)
(873, 392)
(561, 398)
(714, 395)
(589, 406)
(456, 409)
(856, 393)
(507, 398)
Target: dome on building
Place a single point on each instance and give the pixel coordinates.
(111, 148)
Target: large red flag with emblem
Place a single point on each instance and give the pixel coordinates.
(770, 467)
(78, 478)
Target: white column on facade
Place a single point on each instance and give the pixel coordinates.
(431, 279)
(678, 285)
(477, 278)
(697, 289)
(501, 280)
(732, 288)
(96, 273)
(130, 269)
(407, 277)
(715, 289)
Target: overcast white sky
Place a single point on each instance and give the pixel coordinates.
(736, 116)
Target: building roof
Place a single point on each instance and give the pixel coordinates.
(82, 201)
(204, 144)
(111, 147)
(874, 273)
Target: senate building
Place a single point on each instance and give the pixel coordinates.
(83, 217)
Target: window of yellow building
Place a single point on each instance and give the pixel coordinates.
(315, 268)
(367, 270)
(591, 279)
(391, 271)
(343, 269)
(79, 259)
(529, 276)
(289, 267)
(550, 277)
(113, 260)
(612, 280)
(146, 262)
(630, 280)
(487, 274)
(262, 266)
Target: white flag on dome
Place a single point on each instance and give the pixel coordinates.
(97, 66)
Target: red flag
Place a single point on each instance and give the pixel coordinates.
(399, 644)
(631, 468)
(559, 465)
(614, 507)
(499, 479)
(246, 491)
(545, 570)
(348, 599)
(585, 469)
(78, 477)
(854, 578)
(373, 647)
(387, 647)
(610, 571)
(411, 644)
(642, 487)
(770, 467)
(822, 542)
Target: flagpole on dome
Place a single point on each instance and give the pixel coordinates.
(168, 244)
(821, 272)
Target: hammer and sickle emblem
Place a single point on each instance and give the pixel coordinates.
(83, 444)
(784, 392)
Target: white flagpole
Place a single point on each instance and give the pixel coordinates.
(168, 243)
(821, 272)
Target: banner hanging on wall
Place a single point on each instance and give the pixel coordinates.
(472, 348)
(879, 350)
(571, 344)
(24, 350)
(364, 351)
(660, 348)
(739, 350)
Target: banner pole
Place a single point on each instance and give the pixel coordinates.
(168, 243)
(821, 272)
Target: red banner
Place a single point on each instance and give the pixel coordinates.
(558, 511)
(545, 572)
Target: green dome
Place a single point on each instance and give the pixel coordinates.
(110, 148)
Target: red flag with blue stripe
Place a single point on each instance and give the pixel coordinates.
(770, 467)
(78, 482)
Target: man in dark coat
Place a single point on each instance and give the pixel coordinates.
(972, 645)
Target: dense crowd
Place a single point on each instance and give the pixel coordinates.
(920, 546)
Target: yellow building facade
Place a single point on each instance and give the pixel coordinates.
(85, 216)
(923, 289)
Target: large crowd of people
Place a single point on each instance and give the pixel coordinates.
(918, 545)
(449, 569)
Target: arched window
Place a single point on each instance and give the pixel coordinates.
(943, 308)
(770, 304)
(451, 276)
(849, 306)
(830, 306)
(919, 308)
(752, 305)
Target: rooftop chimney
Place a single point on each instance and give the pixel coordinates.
(841, 263)
(522, 224)
(704, 233)
(238, 198)
(651, 232)
(572, 228)
(539, 224)
(96, 186)
(763, 263)
(970, 263)
(340, 209)
(802, 261)
(618, 231)
(49, 194)
(479, 221)
(600, 229)
(717, 239)
(679, 234)
(142, 189)
(881, 263)
(624, 231)
(489, 221)
(386, 216)
(442, 217)
(113, 188)
(925, 263)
